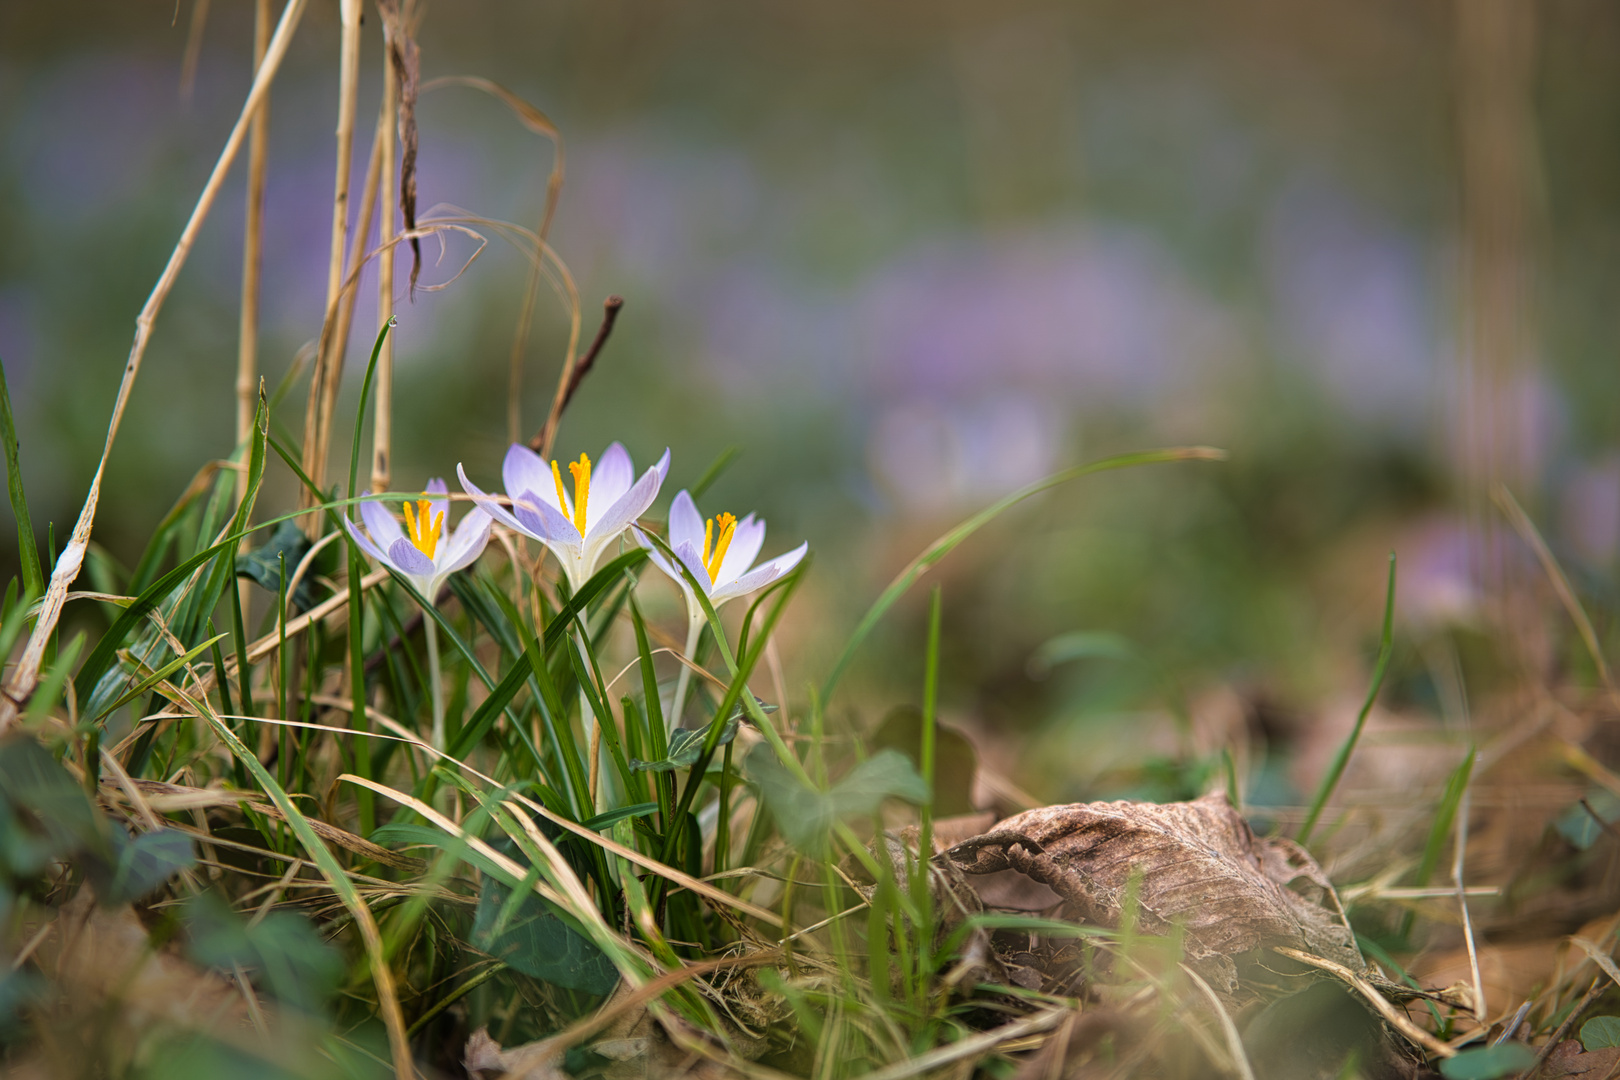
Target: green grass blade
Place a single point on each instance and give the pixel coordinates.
(49, 690)
(154, 678)
(360, 409)
(323, 858)
(503, 692)
(1342, 758)
(27, 551)
(717, 467)
(948, 542)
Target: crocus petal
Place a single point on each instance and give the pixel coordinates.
(685, 523)
(744, 549)
(542, 520)
(365, 542)
(408, 560)
(611, 477)
(630, 506)
(380, 524)
(655, 554)
(525, 470)
(693, 558)
(436, 486)
(489, 502)
(466, 543)
(663, 466)
(761, 576)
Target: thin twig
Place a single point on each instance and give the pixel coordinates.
(1390, 1014)
(572, 375)
(26, 675)
(1234, 1041)
(1481, 1011)
(1555, 576)
(1598, 987)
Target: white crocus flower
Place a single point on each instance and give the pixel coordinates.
(578, 526)
(418, 554)
(421, 552)
(720, 554)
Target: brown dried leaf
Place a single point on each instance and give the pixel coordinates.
(1201, 868)
(1568, 1059)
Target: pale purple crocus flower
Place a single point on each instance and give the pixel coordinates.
(420, 552)
(424, 556)
(578, 526)
(720, 554)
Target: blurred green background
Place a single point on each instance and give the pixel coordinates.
(908, 257)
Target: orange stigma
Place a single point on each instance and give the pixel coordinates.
(423, 526)
(581, 471)
(714, 551)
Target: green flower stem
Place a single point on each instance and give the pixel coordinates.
(694, 630)
(435, 682)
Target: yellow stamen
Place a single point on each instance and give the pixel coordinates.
(423, 526)
(582, 489)
(712, 558)
(581, 470)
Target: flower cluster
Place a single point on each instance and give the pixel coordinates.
(577, 519)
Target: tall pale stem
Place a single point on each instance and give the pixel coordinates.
(382, 425)
(435, 681)
(328, 372)
(247, 347)
(694, 630)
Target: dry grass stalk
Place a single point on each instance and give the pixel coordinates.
(328, 374)
(382, 975)
(26, 675)
(247, 348)
(382, 425)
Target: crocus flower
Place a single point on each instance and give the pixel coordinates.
(421, 551)
(579, 527)
(719, 552)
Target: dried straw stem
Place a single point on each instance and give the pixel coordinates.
(323, 385)
(382, 424)
(26, 675)
(247, 347)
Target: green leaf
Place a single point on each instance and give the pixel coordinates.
(44, 814)
(623, 813)
(1601, 1032)
(948, 542)
(538, 942)
(1488, 1062)
(262, 565)
(139, 864)
(33, 577)
(805, 816)
(686, 747)
(1080, 645)
(955, 761)
(283, 949)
